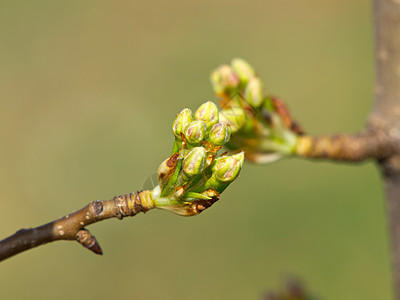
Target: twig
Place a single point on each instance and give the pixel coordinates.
(72, 226)
(376, 145)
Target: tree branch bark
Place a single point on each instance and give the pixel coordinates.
(371, 144)
(386, 114)
(72, 226)
(381, 140)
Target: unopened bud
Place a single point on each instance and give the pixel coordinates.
(195, 132)
(166, 169)
(220, 134)
(224, 171)
(227, 168)
(243, 69)
(223, 79)
(234, 116)
(181, 121)
(208, 113)
(194, 162)
(254, 93)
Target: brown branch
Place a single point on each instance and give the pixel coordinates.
(72, 226)
(381, 141)
(386, 114)
(349, 147)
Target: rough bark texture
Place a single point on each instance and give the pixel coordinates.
(386, 114)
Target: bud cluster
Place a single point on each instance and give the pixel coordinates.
(261, 125)
(193, 177)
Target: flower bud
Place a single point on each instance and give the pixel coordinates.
(224, 171)
(194, 163)
(220, 134)
(227, 168)
(208, 113)
(223, 79)
(195, 132)
(254, 93)
(234, 116)
(243, 69)
(181, 121)
(163, 172)
(166, 169)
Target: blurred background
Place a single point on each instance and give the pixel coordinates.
(88, 93)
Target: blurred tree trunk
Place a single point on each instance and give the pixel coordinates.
(385, 116)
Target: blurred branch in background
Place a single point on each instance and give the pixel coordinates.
(266, 132)
(386, 114)
(294, 289)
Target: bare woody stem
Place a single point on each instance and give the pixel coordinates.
(381, 141)
(349, 147)
(387, 111)
(72, 226)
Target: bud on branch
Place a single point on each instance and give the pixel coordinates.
(193, 178)
(261, 125)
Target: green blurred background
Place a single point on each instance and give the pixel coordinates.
(88, 91)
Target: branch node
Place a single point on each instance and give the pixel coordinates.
(138, 204)
(98, 207)
(123, 209)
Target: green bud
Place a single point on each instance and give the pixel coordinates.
(194, 162)
(208, 113)
(243, 69)
(254, 93)
(227, 168)
(181, 121)
(220, 134)
(234, 116)
(223, 79)
(224, 171)
(195, 132)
